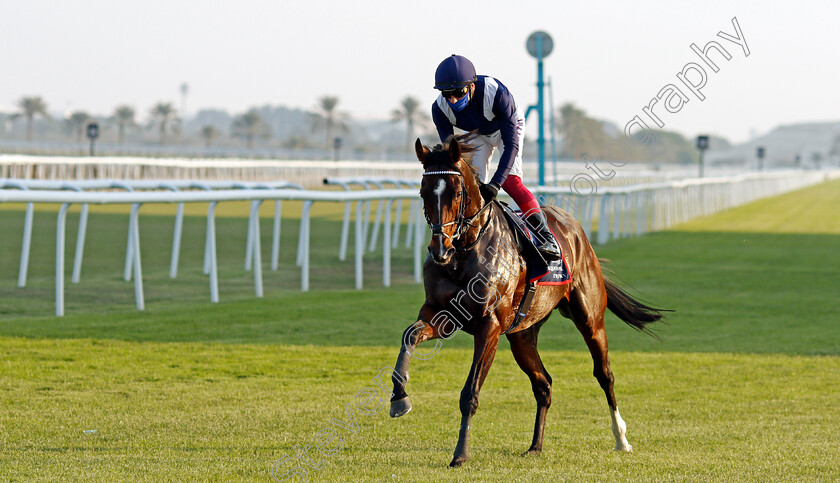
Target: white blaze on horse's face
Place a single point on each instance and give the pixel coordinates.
(441, 186)
(444, 230)
(439, 189)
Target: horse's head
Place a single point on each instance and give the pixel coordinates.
(448, 188)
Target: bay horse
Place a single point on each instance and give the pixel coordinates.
(474, 281)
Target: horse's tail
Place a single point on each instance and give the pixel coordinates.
(631, 310)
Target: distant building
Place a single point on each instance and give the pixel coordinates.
(812, 142)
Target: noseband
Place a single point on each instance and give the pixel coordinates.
(462, 222)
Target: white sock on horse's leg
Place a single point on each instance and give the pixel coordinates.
(619, 429)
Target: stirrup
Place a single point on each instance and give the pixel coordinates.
(550, 251)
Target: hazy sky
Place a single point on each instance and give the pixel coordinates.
(610, 58)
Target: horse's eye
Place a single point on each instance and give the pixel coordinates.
(457, 195)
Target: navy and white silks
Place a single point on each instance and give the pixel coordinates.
(493, 113)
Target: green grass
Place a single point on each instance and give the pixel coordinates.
(808, 211)
(190, 411)
(742, 387)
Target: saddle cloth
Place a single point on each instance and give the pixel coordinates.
(554, 273)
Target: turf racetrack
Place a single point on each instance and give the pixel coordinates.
(744, 385)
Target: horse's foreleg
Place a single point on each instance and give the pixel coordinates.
(524, 347)
(416, 333)
(486, 342)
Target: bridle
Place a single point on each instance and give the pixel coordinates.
(462, 222)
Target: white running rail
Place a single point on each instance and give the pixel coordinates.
(137, 198)
(614, 212)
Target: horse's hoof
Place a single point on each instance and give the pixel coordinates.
(624, 447)
(458, 461)
(400, 407)
(532, 452)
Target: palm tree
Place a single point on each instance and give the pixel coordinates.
(209, 133)
(31, 107)
(412, 116)
(76, 121)
(329, 119)
(124, 115)
(162, 113)
(249, 125)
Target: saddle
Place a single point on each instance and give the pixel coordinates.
(538, 271)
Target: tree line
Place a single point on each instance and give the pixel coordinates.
(247, 127)
(581, 135)
(586, 137)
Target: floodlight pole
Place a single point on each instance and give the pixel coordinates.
(540, 113)
(539, 45)
(551, 128)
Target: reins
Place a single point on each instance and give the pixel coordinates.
(470, 246)
(462, 222)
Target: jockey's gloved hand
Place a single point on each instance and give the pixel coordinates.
(489, 191)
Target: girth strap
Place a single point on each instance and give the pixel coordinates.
(524, 305)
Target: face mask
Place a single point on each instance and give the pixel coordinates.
(461, 104)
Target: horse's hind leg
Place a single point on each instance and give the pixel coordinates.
(524, 347)
(589, 319)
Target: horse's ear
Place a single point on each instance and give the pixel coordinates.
(454, 150)
(422, 151)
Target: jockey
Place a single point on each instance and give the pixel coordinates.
(483, 104)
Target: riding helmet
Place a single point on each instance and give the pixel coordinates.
(455, 71)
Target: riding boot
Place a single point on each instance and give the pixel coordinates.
(546, 243)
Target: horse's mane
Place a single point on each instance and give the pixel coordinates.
(440, 155)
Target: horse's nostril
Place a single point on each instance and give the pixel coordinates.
(441, 256)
